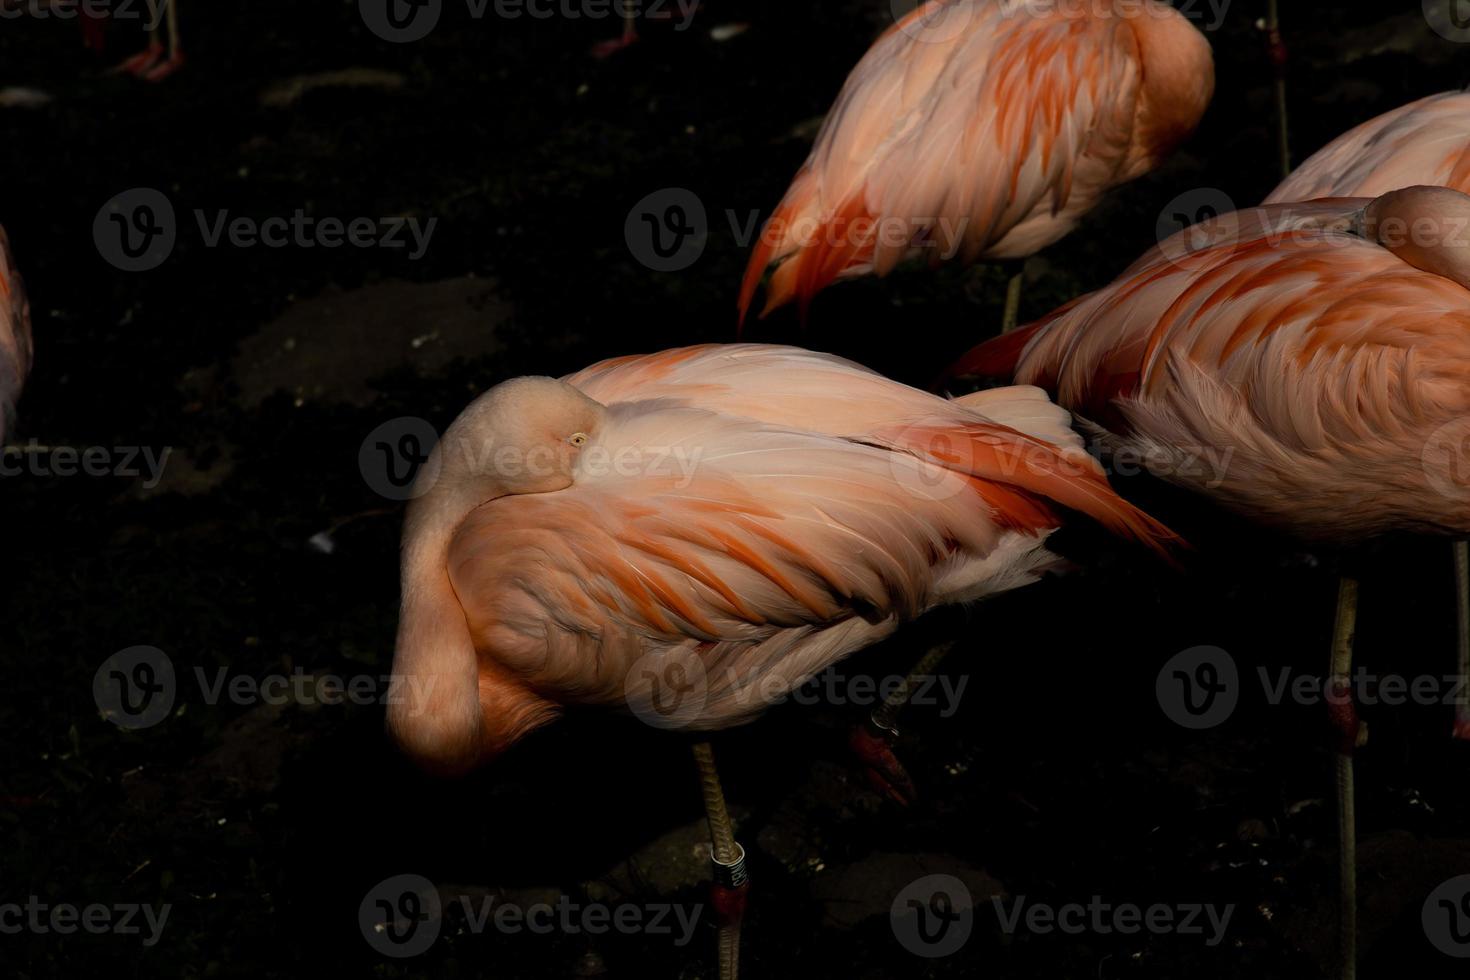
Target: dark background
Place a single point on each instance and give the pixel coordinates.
(1059, 778)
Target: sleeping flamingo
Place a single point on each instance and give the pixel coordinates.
(1325, 346)
(15, 336)
(744, 515)
(983, 129)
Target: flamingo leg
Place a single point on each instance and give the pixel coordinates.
(1277, 51)
(604, 49)
(1352, 734)
(158, 61)
(731, 884)
(1013, 300)
(175, 59)
(872, 740)
(142, 62)
(1462, 602)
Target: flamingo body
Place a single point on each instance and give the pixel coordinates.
(1424, 142)
(1326, 371)
(15, 336)
(763, 510)
(983, 129)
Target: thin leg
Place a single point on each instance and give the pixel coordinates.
(1462, 601)
(144, 61)
(872, 740)
(1277, 51)
(1352, 734)
(175, 59)
(603, 49)
(1013, 300)
(731, 884)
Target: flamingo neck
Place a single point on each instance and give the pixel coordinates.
(455, 709)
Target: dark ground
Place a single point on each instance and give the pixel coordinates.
(1059, 778)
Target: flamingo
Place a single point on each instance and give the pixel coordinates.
(1325, 346)
(560, 553)
(15, 336)
(1424, 142)
(983, 129)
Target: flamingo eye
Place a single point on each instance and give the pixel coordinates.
(578, 439)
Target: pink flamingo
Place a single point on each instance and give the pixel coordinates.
(1321, 348)
(15, 336)
(1424, 142)
(724, 520)
(983, 129)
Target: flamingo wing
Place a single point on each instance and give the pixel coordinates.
(1014, 441)
(1424, 142)
(1318, 362)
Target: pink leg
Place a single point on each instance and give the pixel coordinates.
(143, 62)
(606, 49)
(166, 67)
(886, 774)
